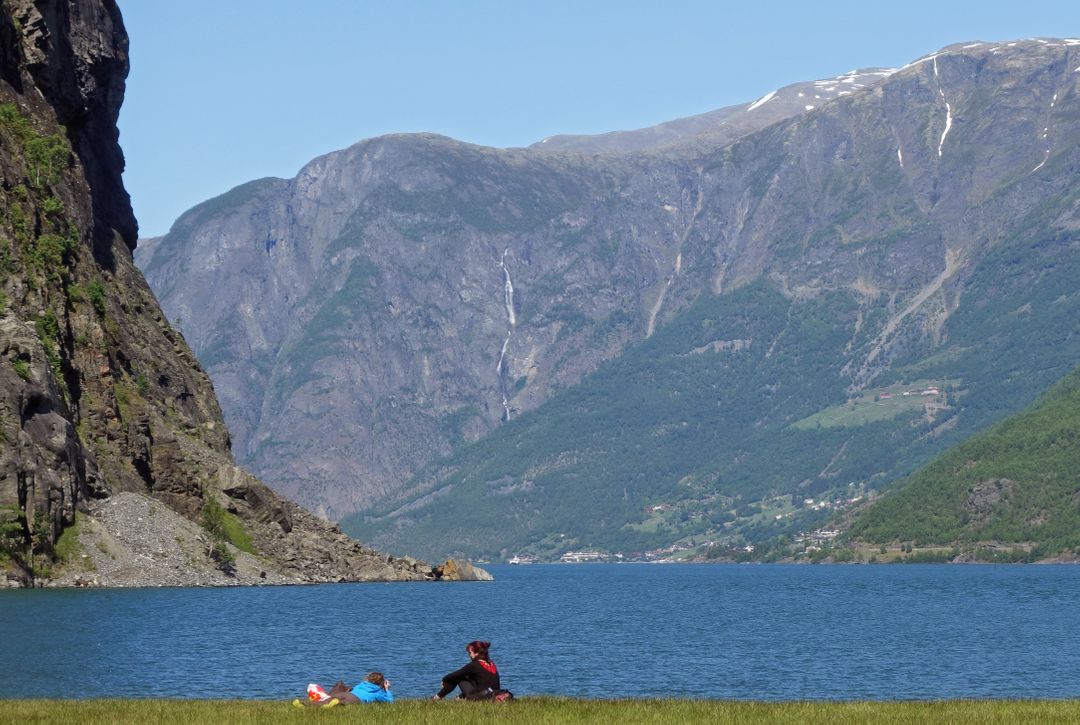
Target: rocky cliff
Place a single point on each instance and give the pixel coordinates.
(101, 399)
(406, 295)
(630, 347)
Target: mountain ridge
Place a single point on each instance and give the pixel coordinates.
(445, 287)
(723, 125)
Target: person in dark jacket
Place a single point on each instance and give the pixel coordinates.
(478, 680)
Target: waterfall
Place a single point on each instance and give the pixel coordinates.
(502, 376)
(508, 290)
(508, 302)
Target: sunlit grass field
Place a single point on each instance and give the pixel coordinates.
(870, 407)
(543, 710)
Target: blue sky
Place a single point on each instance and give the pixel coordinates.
(225, 91)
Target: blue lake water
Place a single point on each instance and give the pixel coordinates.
(726, 631)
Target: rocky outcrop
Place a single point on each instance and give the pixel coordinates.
(133, 540)
(101, 401)
(455, 570)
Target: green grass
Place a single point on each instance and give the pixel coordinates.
(46, 156)
(22, 368)
(235, 533)
(67, 547)
(870, 407)
(225, 526)
(544, 710)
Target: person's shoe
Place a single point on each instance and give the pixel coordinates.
(333, 703)
(297, 704)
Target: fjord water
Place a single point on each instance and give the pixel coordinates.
(770, 632)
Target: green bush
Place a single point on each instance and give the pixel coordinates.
(844, 555)
(51, 253)
(48, 327)
(52, 206)
(67, 547)
(224, 528)
(48, 330)
(95, 292)
(213, 518)
(12, 543)
(46, 155)
(20, 224)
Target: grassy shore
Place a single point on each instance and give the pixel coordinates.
(543, 710)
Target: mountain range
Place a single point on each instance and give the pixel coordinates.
(692, 334)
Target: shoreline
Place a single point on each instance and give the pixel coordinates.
(450, 571)
(64, 586)
(801, 562)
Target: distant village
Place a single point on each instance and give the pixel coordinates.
(683, 550)
(808, 541)
(906, 393)
(775, 510)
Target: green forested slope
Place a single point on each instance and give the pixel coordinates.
(1017, 483)
(758, 412)
(715, 435)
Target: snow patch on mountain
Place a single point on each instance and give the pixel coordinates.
(920, 61)
(762, 101)
(948, 126)
(948, 113)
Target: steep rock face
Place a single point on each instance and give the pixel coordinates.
(75, 55)
(484, 279)
(99, 394)
(405, 296)
(924, 229)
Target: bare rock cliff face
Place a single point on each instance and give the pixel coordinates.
(407, 296)
(98, 394)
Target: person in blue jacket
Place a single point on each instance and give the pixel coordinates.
(374, 688)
